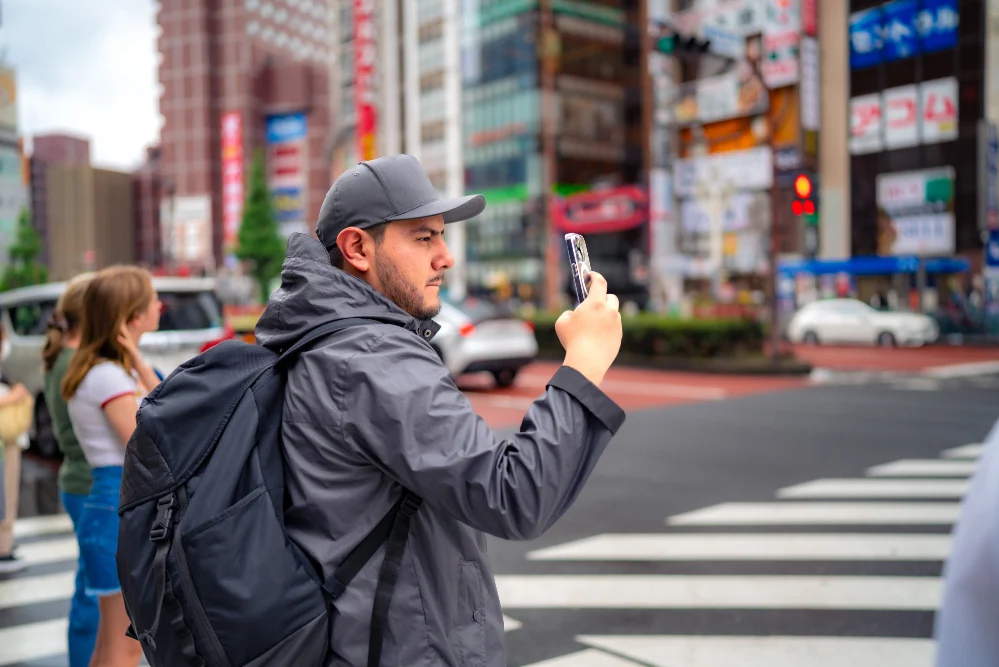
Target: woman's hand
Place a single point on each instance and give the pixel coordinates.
(131, 346)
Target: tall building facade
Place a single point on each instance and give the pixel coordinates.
(397, 88)
(238, 77)
(919, 138)
(51, 150)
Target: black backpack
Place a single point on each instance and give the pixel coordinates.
(208, 573)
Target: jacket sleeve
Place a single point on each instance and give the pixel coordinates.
(405, 414)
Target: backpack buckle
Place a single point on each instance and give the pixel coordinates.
(164, 514)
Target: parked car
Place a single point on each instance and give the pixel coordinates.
(849, 321)
(191, 321)
(477, 335)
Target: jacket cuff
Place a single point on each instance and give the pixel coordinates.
(590, 395)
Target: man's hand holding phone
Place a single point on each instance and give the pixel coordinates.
(591, 334)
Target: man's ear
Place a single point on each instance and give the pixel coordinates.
(356, 248)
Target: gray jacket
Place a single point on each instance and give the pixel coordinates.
(373, 410)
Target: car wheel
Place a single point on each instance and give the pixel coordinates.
(44, 442)
(810, 338)
(505, 377)
(886, 339)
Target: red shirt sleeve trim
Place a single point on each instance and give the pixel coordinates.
(124, 393)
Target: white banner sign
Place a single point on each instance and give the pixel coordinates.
(810, 108)
(901, 116)
(938, 105)
(865, 124)
(931, 234)
(743, 170)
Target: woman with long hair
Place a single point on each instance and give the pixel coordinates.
(61, 340)
(10, 474)
(104, 383)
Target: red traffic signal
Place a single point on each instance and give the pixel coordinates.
(803, 186)
(796, 207)
(809, 207)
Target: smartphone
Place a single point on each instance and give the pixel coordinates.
(579, 262)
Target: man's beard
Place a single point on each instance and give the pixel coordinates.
(403, 293)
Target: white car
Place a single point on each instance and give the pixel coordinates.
(849, 321)
(191, 320)
(477, 335)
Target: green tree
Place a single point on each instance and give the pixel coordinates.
(259, 240)
(24, 268)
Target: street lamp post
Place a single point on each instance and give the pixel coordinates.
(170, 189)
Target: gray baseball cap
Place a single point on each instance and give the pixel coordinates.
(386, 189)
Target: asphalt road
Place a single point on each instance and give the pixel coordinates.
(778, 570)
(657, 599)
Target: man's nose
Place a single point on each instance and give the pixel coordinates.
(445, 260)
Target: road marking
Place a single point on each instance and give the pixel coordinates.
(808, 513)
(876, 488)
(49, 551)
(588, 658)
(750, 547)
(43, 525)
(664, 389)
(32, 590)
(509, 625)
(717, 592)
(963, 370)
(972, 451)
(33, 641)
(924, 468)
(769, 651)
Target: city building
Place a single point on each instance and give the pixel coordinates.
(238, 78)
(84, 215)
(148, 193)
(397, 88)
(922, 147)
(51, 150)
(13, 195)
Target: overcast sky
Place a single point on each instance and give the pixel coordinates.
(86, 67)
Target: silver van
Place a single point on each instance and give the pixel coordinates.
(191, 321)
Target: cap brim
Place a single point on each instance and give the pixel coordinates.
(454, 209)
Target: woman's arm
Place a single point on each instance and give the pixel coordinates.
(121, 413)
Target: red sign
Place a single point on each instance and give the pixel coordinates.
(810, 17)
(232, 177)
(365, 54)
(602, 211)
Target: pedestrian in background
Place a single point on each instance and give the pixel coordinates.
(61, 341)
(103, 385)
(10, 461)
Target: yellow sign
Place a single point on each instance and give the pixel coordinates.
(8, 99)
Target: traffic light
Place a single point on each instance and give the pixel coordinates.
(669, 40)
(805, 197)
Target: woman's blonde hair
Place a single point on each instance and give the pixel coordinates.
(66, 318)
(116, 295)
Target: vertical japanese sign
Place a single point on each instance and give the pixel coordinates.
(365, 53)
(286, 170)
(232, 178)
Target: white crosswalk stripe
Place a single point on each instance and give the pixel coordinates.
(918, 494)
(924, 468)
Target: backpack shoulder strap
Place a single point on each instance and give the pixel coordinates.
(325, 329)
(392, 530)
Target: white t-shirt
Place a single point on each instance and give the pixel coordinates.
(100, 442)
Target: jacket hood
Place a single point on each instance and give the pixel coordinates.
(313, 292)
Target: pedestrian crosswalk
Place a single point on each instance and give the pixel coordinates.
(897, 514)
(850, 546)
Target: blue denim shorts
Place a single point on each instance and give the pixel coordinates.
(98, 532)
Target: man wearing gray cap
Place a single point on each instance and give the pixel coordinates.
(384, 455)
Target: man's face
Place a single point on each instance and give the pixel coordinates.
(410, 263)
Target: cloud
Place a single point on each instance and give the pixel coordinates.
(88, 69)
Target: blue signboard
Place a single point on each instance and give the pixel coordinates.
(937, 23)
(901, 29)
(898, 30)
(865, 38)
(287, 168)
(992, 251)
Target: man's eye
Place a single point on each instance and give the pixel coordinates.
(424, 238)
